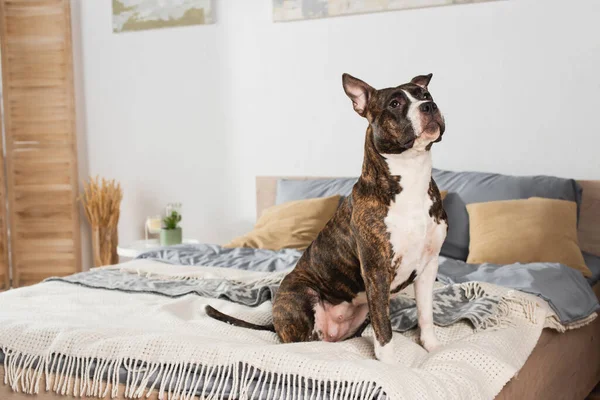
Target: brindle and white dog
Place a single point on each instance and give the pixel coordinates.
(383, 237)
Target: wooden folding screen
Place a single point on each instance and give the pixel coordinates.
(41, 152)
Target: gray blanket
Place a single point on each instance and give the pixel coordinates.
(450, 303)
(566, 290)
(216, 256)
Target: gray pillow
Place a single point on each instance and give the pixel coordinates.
(290, 189)
(476, 187)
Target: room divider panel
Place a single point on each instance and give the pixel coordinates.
(41, 152)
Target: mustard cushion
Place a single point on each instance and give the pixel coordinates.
(292, 225)
(525, 231)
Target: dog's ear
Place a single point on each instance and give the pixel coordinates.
(422, 80)
(359, 92)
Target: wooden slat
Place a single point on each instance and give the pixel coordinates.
(41, 156)
(4, 264)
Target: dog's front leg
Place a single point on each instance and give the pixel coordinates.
(424, 298)
(377, 287)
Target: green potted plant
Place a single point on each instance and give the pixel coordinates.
(170, 233)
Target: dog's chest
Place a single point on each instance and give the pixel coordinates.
(415, 236)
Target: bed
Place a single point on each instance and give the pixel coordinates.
(562, 365)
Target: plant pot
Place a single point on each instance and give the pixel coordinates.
(169, 237)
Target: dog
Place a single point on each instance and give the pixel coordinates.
(386, 235)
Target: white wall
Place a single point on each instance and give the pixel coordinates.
(152, 111)
(517, 81)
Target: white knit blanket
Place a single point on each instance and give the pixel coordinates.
(154, 336)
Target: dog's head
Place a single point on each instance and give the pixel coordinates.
(401, 118)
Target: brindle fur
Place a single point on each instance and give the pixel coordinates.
(353, 253)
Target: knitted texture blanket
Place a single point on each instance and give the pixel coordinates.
(61, 331)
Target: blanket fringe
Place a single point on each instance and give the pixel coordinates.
(499, 318)
(72, 376)
(554, 323)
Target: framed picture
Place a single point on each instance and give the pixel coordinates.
(138, 15)
(293, 10)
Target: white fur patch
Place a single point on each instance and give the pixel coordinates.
(429, 340)
(414, 114)
(424, 299)
(385, 353)
(415, 236)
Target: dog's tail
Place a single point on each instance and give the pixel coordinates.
(218, 315)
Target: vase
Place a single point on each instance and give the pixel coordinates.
(169, 237)
(104, 245)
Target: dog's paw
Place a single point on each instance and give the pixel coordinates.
(430, 342)
(385, 353)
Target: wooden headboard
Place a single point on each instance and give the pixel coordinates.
(589, 224)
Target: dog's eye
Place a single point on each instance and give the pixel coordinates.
(427, 96)
(394, 103)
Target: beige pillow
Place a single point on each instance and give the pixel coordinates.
(443, 194)
(531, 230)
(289, 225)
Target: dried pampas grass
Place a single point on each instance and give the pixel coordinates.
(101, 201)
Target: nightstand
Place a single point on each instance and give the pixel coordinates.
(134, 249)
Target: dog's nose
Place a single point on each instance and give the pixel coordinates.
(429, 107)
